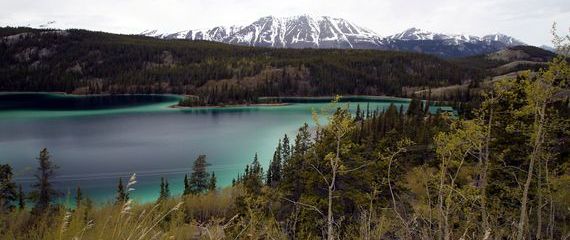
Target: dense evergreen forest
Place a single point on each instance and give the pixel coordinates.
(84, 62)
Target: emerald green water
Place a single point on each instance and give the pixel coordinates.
(96, 142)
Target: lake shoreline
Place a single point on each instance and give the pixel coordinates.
(364, 97)
(176, 106)
(284, 101)
(269, 101)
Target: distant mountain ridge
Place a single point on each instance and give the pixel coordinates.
(307, 31)
(419, 34)
(286, 32)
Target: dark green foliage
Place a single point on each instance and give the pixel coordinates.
(285, 148)
(186, 185)
(164, 190)
(529, 53)
(372, 133)
(274, 172)
(44, 193)
(21, 198)
(78, 197)
(212, 184)
(293, 166)
(199, 180)
(122, 193)
(252, 179)
(7, 188)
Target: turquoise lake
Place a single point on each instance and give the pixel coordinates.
(98, 139)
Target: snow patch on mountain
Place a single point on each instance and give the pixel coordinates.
(303, 31)
(456, 39)
(306, 31)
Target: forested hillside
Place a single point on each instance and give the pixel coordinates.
(508, 60)
(84, 62)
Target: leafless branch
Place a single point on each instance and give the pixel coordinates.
(306, 205)
(320, 173)
(357, 168)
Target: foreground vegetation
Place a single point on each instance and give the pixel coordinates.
(500, 172)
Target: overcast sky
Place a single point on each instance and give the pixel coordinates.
(527, 20)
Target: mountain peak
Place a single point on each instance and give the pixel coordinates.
(499, 37)
(301, 31)
(413, 34)
(420, 34)
(413, 29)
(310, 31)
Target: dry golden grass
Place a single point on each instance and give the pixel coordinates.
(184, 217)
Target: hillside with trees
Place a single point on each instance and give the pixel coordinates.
(84, 62)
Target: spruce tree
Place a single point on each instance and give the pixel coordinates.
(253, 180)
(303, 140)
(7, 188)
(164, 189)
(78, 197)
(269, 175)
(274, 171)
(186, 185)
(200, 177)
(212, 184)
(21, 198)
(291, 177)
(122, 195)
(285, 148)
(44, 193)
(359, 116)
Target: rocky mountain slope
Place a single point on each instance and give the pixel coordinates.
(307, 31)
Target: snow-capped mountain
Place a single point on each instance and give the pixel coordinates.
(217, 34)
(286, 32)
(307, 31)
(454, 39)
(448, 45)
(498, 37)
(419, 34)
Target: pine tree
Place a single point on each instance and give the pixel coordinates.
(212, 184)
(285, 149)
(269, 175)
(199, 178)
(21, 198)
(122, 195)
(303, 140)
(186, 185)
(292, 176)
(44, 192)
(254, 178)
(413, 106)
(7, 188)
(78, 197)
(274, 171)
(164, 190)
(359, 116)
